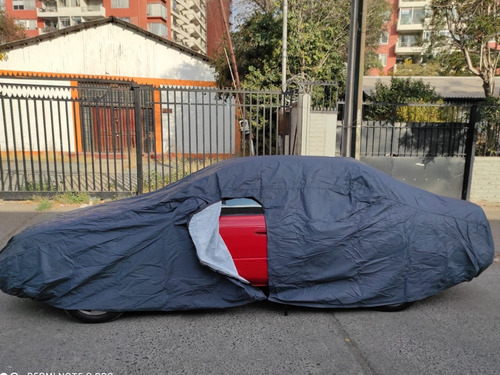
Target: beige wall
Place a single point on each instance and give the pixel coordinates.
(486, 180)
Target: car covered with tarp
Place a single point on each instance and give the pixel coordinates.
(339, 235)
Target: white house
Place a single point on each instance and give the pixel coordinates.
(107, 47)
(53, 89)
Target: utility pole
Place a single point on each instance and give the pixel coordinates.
(354, 83)
(285, 117)
(284, 48)
(230, 45)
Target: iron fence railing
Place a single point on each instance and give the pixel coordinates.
(324, 95)
(111, 138)
(488, 131)
(425, 129)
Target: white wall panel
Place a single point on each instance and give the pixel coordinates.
(36, 124)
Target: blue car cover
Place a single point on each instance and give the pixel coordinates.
(340, 234)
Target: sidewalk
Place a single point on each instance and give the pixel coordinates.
(18, 215)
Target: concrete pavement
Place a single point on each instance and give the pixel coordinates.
(454, 332)
(493, 215)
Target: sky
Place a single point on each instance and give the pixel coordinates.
(238, 10)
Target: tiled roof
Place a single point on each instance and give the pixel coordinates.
(96, 23)
(447, 87)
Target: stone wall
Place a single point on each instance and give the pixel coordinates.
(486, 180)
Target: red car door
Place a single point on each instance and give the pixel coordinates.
(243, 228)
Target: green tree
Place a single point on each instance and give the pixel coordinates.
(9, 31)
(443, 64)
(421, 111)
(372, 61)
(255, 46)
(317, 42)
(404, 90)
(419, 96)
(474, 30)
(488, 143)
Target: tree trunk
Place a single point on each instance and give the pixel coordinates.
(487, 88)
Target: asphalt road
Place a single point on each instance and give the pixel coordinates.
(455, 332)
(493, 215)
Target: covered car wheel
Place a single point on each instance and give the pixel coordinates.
(93, 316)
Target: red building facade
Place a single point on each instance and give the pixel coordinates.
(405, 35)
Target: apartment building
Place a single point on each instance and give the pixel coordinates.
(405, 34)
(181, 21)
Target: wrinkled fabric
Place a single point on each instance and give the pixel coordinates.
(210, 247)
(340, 234)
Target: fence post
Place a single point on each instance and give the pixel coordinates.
(138, 137)
(470, 149)
(305, 122)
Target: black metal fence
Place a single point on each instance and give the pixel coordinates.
(488, 131)
(117, 138)
(428, 130)
(111, 138)
(430, 146)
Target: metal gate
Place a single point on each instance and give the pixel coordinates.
(430, 146)
(112, 138)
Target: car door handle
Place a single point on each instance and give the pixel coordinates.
(261, 231)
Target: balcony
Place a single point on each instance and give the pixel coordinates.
(194, 31)
(198, 46)
(46, 30)
(180, 34)
(408, 50)
(180, 18)
(410, 27)
(92, 11)
(411, 19)
(196, 17)
(182, 37)
(197, 5)
(189, 22)
(413, 3)
(183, 5)
(188, 16)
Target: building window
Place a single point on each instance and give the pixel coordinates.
(383, 59)
(69, 3)
(157, 28)
(445, 33)
(126, 19)
(120, 4)
(27, 24)
(411, 16)
(50, 25)
(409, 40)
(23, 4)
(64, 22)
(387, 16)
(156, 10)
(384, 38)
